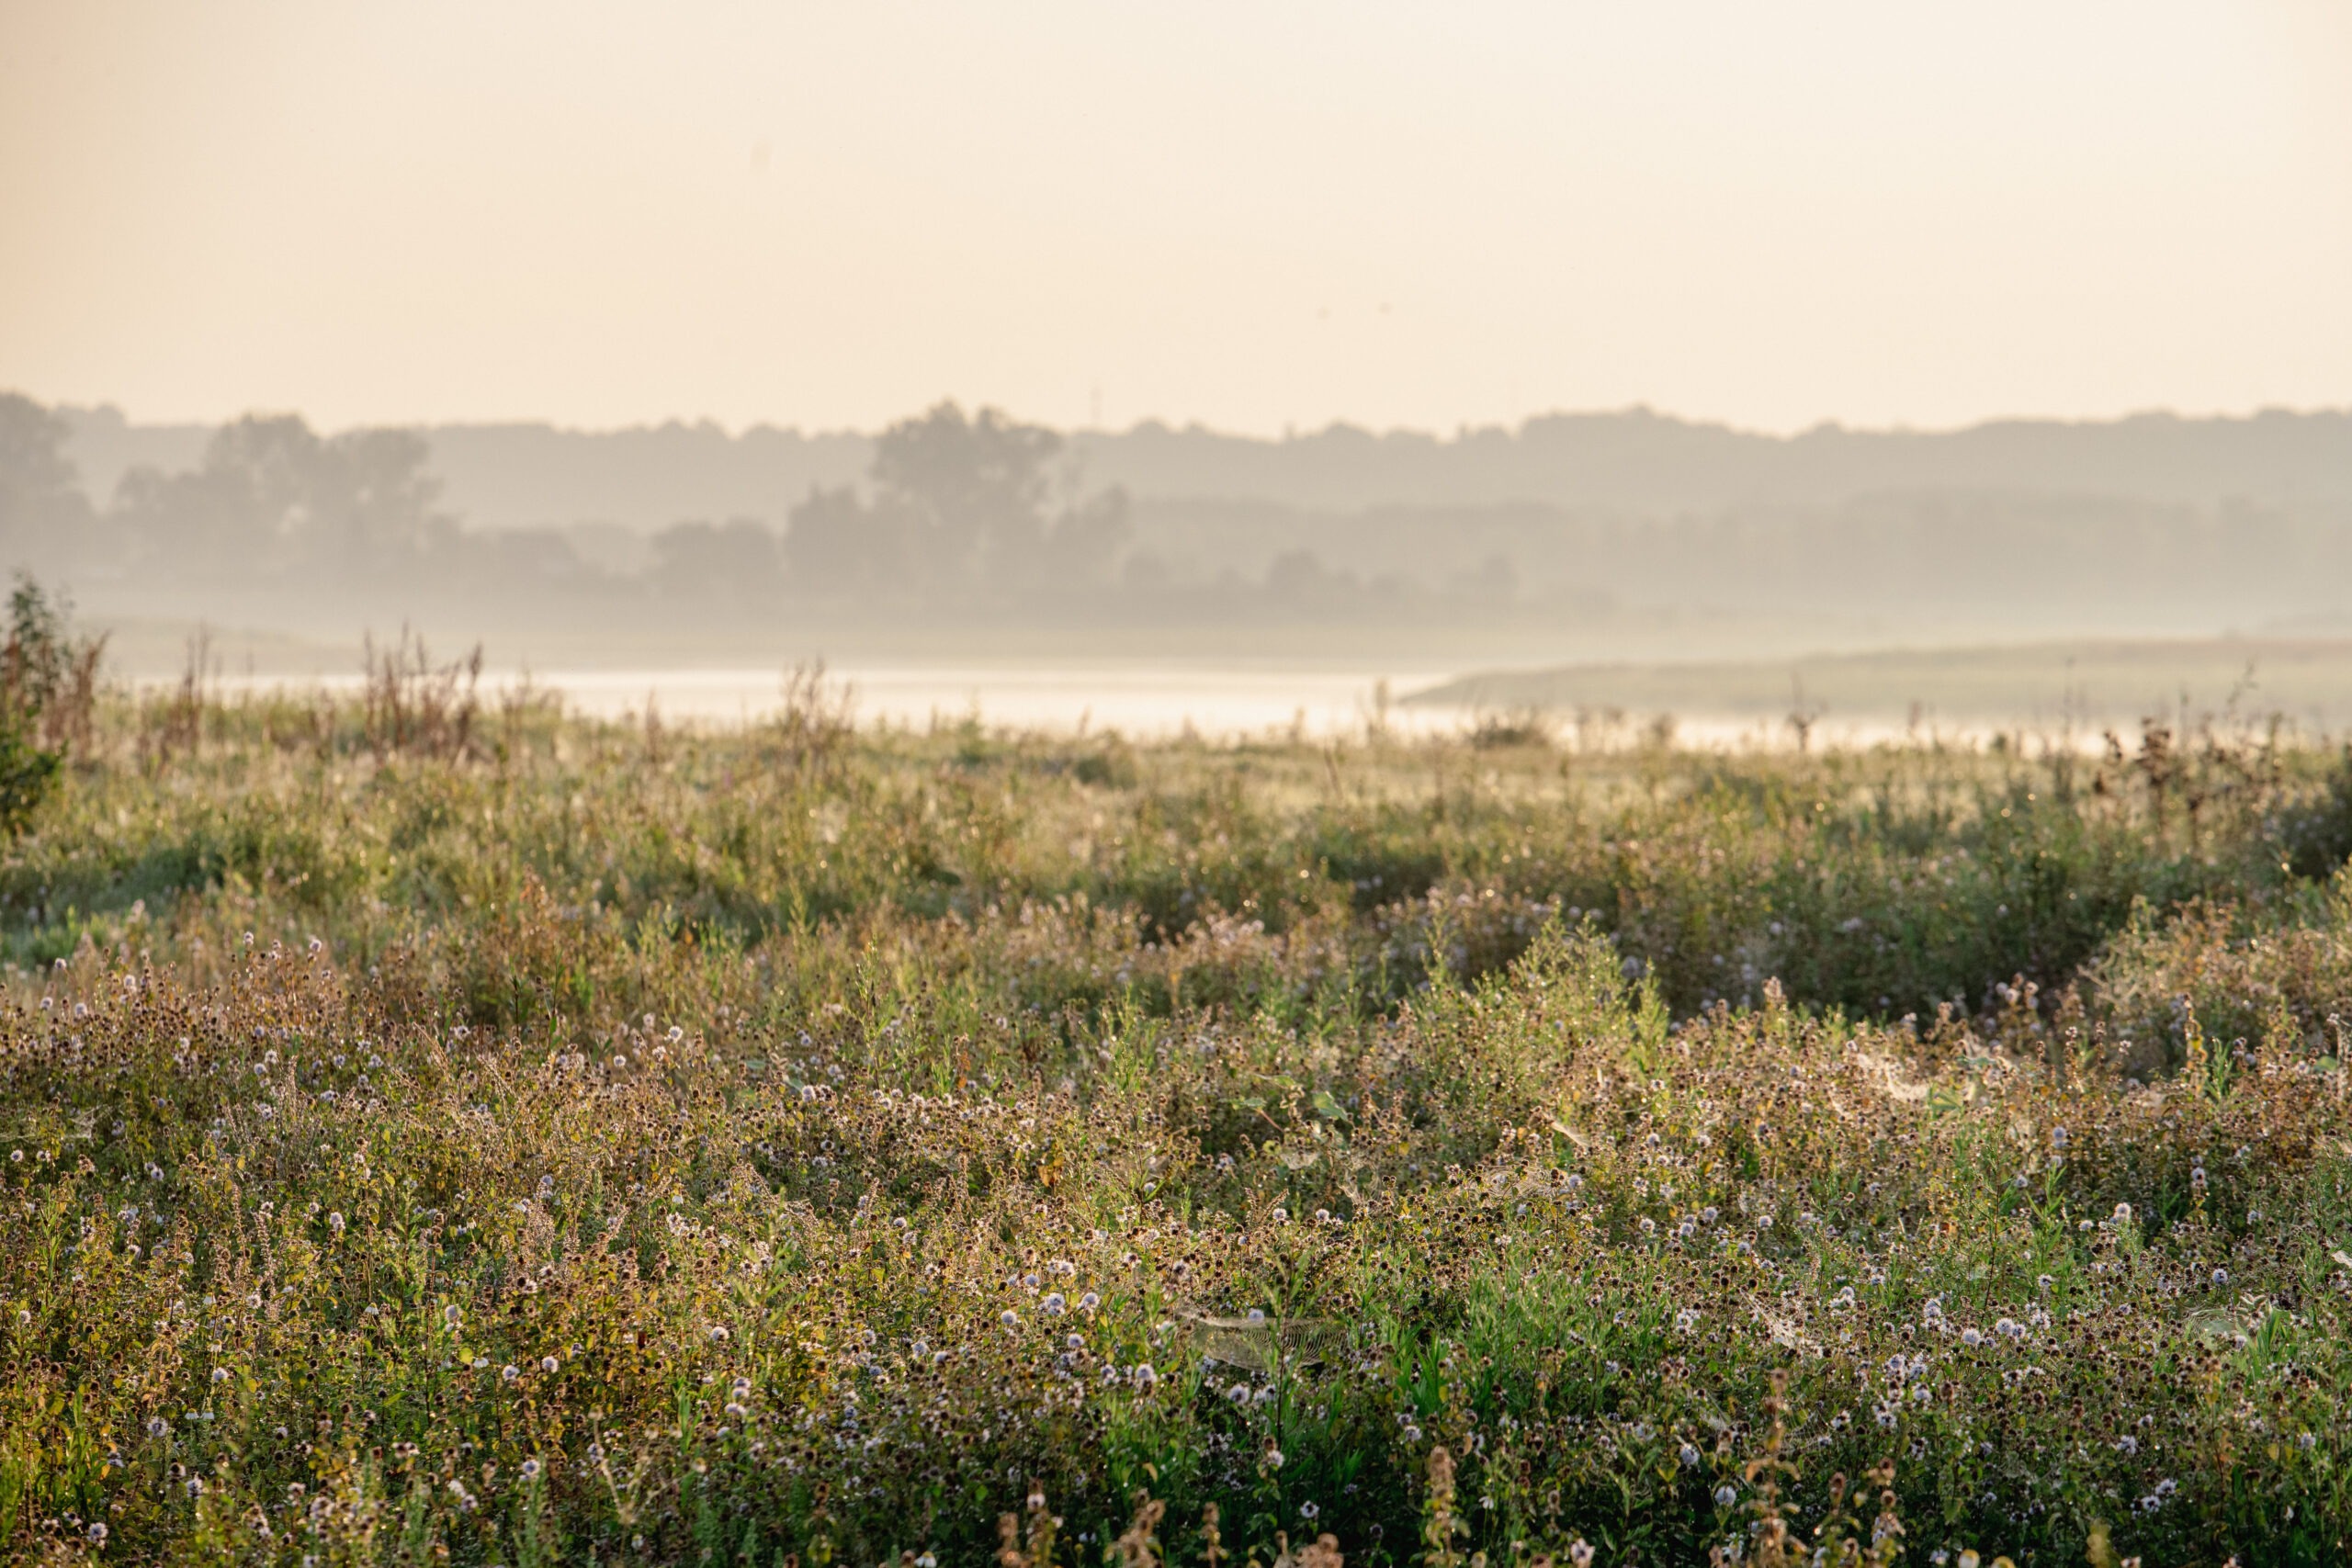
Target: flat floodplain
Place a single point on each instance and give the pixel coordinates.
(450, 1131)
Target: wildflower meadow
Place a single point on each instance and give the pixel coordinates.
(437, 1130)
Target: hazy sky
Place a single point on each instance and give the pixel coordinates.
(1252, 214)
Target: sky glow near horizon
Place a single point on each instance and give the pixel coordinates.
(1255, 217)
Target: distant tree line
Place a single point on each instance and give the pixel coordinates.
(958, 507)
(961, 512)
(272, 499)
(964, 516)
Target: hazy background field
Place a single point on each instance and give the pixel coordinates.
(1689, 351)
(1616, 566)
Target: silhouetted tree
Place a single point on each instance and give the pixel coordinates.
(974, 489)
(43, 513)
(273, 495)
(960, 502)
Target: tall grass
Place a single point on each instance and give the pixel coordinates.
(594, 1142)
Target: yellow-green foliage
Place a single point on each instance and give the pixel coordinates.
(588, 1143)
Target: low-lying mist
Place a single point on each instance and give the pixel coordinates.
(953, 537)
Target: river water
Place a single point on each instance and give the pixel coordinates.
(1142, 701)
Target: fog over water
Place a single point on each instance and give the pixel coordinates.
(1139, 702)
(1987, 693)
